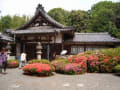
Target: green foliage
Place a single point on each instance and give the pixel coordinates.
(78, 19)
(5, 22)
(111, 51)
(63, 60)
(44, 61)
(59, 15)
(12, 22)
(13, 63)
(105, 17)
(117, 68)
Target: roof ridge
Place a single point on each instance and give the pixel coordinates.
(40, 11)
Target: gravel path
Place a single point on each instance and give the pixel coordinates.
(15, 80)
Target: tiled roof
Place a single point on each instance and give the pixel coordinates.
(31, 31)
(41, 12)
(6, 38)
(93, 37)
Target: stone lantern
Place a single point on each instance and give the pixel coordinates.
(8, 47)
(39, 47)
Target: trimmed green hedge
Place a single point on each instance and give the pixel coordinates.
(117, 68)
(43, 61)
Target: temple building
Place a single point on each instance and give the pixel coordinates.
(42, 37)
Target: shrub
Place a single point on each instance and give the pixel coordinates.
(73, 68)
(59, 65)
(44, 61)
(38, 69)
(75, 65)
(79, 60)
(13, 63)
(92, 63)
(97, 61)
(117, 68)
(63, 60)
(107, 63)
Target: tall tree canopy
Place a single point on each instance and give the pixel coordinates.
(12, 22)
(5, 22)
(104, 17)
(78, 19)
(59, 15)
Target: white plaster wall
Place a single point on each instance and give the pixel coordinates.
(58, 38)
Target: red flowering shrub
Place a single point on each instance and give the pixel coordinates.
(92, 63)
(107, 63)
(97, 61)
(13, 63)
(39, 69)
(79, 60)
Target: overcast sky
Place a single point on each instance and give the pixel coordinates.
(28, 7)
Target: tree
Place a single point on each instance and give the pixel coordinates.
(59, 15)
(104, 17)
(8, 22)
(78, 19)
(5, 23)
(17, 21)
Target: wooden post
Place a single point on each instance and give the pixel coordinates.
(84, 47)
(48, 48)
(62, 43)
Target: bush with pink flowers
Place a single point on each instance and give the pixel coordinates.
(107, 63)
(97, 61)
(92, 63)
(13, 63)
(38, 69)
(59, 65)
(73, 68)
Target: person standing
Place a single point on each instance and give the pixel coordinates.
(23, 58)
(20, 62)
(3, 60)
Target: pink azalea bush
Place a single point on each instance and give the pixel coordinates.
(66, 67)
(92, 63)
(38, 69)
(59, 65)
(79, 61)
(13, 63)
(73, 68)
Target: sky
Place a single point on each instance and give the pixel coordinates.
(27, 7)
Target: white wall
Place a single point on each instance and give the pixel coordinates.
(58, 38)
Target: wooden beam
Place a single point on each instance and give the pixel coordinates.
(36, 40)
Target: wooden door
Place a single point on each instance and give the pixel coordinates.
(30, 49)
(44, 51)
